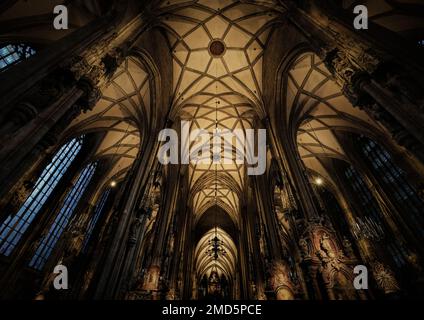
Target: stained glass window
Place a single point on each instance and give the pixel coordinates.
(394, 178)
(14, 53)
(398, 252)
(368, 204)
(333, 209)
(13, 228)
(371, 210)
(97, 213)
(62, 218)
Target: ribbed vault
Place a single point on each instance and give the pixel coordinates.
(217, 48)
(242, 27)
(317, 110)
(225, 264)
(121, 115)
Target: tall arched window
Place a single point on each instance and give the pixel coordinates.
(333, 210)
(97, 213)
(372, 212)
(62, 218)
(14, 53)
(368, 204)
(13, 228)
(394, 178)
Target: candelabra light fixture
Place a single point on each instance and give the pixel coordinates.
(368, 228)
(216, 247)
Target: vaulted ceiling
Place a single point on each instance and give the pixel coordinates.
(120, 115)
(217, 48)
(317, 110)
(225, 264)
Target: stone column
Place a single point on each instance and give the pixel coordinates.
(113, 281)
(265, 210)
(369, 249)
(281, 282)
(401, 226)
(181, 229)
(243, 256)
(169, 200)
(72, 81)
(52, 105)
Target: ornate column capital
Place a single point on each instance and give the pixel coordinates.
(114, 58)
(91, 92)
(350, 73)
(94, 68)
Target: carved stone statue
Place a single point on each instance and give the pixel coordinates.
(303, 244)
(325, 244)
(348, 250)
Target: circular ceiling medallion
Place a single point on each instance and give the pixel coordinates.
(217, 48)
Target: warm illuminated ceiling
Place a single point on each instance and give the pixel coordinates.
(224, 264)
(217, 48)
(316, 104)
(120, 114)
(243, 29)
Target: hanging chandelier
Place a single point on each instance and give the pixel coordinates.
(216, 245)
(216, 248)
(368, 228)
